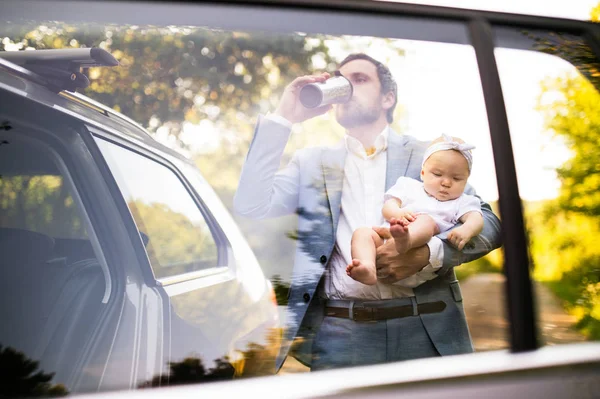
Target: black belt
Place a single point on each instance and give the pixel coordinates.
(362, 312)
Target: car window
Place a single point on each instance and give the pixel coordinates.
(210, 82)
(176, 234)
(36, 197)
(553, 105)
(51, 284)
(203, 96)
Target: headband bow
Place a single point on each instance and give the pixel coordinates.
(450, 144)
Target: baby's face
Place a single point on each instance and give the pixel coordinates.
(445, 175)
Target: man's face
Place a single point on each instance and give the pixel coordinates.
(367, 104)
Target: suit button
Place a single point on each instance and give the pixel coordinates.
(306, 297)
(323, 259)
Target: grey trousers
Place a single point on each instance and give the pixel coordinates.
(343, 342)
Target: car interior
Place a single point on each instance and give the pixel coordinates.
(44, 252)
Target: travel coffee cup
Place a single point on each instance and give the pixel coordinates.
(335, 90)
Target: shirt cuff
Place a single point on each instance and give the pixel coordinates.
(278, 119)
(436, 253)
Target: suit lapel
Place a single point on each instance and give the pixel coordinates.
(332, 165)
(398, 158)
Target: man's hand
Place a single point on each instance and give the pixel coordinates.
(290, 106)
(393, 267)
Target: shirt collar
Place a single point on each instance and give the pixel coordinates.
(355, 147)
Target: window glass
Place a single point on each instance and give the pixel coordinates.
(553, 103)
(51, 284)
(36, 197)
(204, 90)
(176, 235)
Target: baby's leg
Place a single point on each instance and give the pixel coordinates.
(415, 234)
(364, 248)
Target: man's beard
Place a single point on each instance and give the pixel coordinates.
(354, 114)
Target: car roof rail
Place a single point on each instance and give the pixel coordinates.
(60, 68)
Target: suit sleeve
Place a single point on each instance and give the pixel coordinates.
(263, 191)
(488, 240)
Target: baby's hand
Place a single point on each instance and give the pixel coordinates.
(405, 217)
(459, 237)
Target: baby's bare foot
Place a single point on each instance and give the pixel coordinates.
(401, 236)
(362, 272)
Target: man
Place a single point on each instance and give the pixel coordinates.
(334, 190)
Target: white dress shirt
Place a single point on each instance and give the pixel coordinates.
(363, 192)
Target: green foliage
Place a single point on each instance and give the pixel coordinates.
(564, 233)
(566, 257)
(574, 116)
(168, 75)
(595, 13)
(39, 203)
(486, 264)
(175, 245)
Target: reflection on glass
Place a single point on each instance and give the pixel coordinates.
(200, 90)
(554, 120)
(22, 378)
(40, 203)
(178, 237)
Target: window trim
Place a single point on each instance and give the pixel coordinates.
(519, 298)
(179, 278)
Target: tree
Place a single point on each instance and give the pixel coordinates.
(595, 14)
(168, 75)
(175, 245)
(20, 377)
(564, 232)
(574, 116)
(40, 203)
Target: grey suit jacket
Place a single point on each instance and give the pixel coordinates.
(311, 186)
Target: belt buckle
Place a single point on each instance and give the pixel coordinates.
(369, 317)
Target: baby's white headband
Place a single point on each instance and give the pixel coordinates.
(450, 144)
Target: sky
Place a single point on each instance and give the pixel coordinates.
(439, 88)
(571, 9)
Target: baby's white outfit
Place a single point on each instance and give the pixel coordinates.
(445, 213)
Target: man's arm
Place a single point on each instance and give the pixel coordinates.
(488, 240)
(262, 191)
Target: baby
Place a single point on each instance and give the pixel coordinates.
(418, 210)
